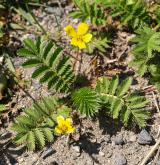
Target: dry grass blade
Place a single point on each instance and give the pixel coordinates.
(151, 152)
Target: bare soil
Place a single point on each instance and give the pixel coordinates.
(102, 141)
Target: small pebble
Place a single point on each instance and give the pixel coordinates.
(53, 163)
(119, 141)
(144, 138)
(5, 125)
(94, 140)
(133, 138)
(106, 139)
(120, 160)
(76, 148)
(20, 160)
(26, 154)
(5, 135)
(101, 153)
(50, 10)
(1, 59)
(109, 154)
(48, 152)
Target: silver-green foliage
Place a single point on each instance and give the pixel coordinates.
(121, 102)
(86, 101)
(36, 126)
(116, 98)
(51, 66)
(89, 10)
(131, 12)
(146, 53)
(98, 43)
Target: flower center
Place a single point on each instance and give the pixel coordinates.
(79, 38)
(64, 128)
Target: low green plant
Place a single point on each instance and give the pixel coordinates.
(89, 10)
(131, 12)
(116, 98)
(86, 101)
(146, 53)
(51, 66)
(98, 43)
(36, 126)
(124, 104)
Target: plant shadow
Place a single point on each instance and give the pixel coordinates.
(9, 151)
(89, 147)
(108, 125)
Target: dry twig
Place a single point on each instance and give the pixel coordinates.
(156, 157)
(155, 102)
(151, 152)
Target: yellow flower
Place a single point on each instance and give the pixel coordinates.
(79, 37)
(64, 125)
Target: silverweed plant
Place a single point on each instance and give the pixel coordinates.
(42, 122)
(146, 54)
(114, 96)
(131, 13)
(37, 125)
(52, 67)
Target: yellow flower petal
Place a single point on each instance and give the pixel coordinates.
(74, 41)
(78, 42)
(69, 121)
(58, 130)
(82, 29)
(60, 119)
(70, 31)
(81, 45)
(87, 38)
(70, 130)
(64, 125)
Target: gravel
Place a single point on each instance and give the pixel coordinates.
(120, 160)
(145, 138)
(76, 149)
(119, 141)
(96, 147)
(133, 138)
(101, 153)
(48, 152)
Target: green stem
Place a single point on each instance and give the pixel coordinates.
(80, 64)
(36, 21)
(112, 96)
